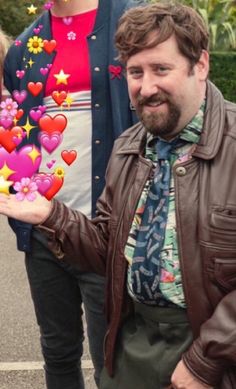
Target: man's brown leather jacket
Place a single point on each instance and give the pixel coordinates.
(206, 224)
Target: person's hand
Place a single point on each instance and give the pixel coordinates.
(183, 379)
(33, 212)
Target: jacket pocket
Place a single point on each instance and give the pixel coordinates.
(225, 273)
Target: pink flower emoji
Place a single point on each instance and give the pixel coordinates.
(25, 189)
(71, 36)
(9, 108)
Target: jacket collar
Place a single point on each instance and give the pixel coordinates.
(211, 137)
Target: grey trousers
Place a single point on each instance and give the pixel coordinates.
(149, 347)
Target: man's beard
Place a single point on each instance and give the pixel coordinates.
(158, 123)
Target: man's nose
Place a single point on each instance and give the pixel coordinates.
(149, 86)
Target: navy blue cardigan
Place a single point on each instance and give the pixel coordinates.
(111, 113)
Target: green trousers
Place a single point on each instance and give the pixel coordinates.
(149, 347)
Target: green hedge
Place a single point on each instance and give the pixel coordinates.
(223, 73)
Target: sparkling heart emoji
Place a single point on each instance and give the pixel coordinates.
(56, 186)
(44, 71)
(59, 97)
(50, 124)
(19, 96)
(35, 88)
(49, 46)
(35, 114)
(20, 74)
(8, 138)
(44, 182)
(69, 156)
(50, 141)
(6, 122)
(23, 163)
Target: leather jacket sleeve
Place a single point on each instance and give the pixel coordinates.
(214, 351)
(76, 239)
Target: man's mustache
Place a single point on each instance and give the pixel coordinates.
(157, 98)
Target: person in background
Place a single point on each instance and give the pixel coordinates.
(164, 231)
(5, 41)
(69, 52)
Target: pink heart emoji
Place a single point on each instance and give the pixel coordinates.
(21, 162)
(6, 122)
(42, 108)
(67, 21)
(51, 163)
(35, 114)
(49, 65)
(44, 71)
(44, 182)
(50, 141)
(36, 30)
(20, 74)
(19, 96)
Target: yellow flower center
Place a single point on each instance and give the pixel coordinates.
(25, 189)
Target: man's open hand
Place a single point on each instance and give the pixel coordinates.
(33, 212)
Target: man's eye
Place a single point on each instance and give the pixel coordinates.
(135, 73)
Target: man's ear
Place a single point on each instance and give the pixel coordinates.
(202, 65)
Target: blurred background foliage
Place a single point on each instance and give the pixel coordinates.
(219, 15)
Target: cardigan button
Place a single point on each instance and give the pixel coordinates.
(181, 171)
(93, 37)
(97, 69)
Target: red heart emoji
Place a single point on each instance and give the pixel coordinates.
(7, 138)
(19, 114)
(50, 124)
(35, 87)
(69, 156)
(57, 183)
(49, 46)
(59, 97)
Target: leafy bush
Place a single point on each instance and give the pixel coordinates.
(223, 73)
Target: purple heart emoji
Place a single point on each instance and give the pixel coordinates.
(43, 181)
(6, 121)
(21, 162)
(50, 141)
(19, 96)
(20, 74)
(35, 114)
(44, 71)
(67, 20)
(36, 30)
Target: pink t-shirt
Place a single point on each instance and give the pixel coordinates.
(72, 52)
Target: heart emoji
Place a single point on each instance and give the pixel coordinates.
(67, 20)
(42, 108)
(44, 182)
(51, 163)
(6, 121)
(35, 87)
(24, 162)
(69, 156)
(20, 74)
(36, 30)
(19, 96)
(44, 71)
(19, 114)
(7, 138)
(59, 97)
(35, 114)
(49, 46)
(51, 124)
(56, 186)
(50, 141)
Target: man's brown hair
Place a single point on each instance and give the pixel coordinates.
(146, 26)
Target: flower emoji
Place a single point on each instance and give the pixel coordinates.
(35, 45)
(25, 189)
(71, 36)
(9, 108)
(59, 172)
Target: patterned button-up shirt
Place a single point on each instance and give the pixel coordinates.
(170, 280)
